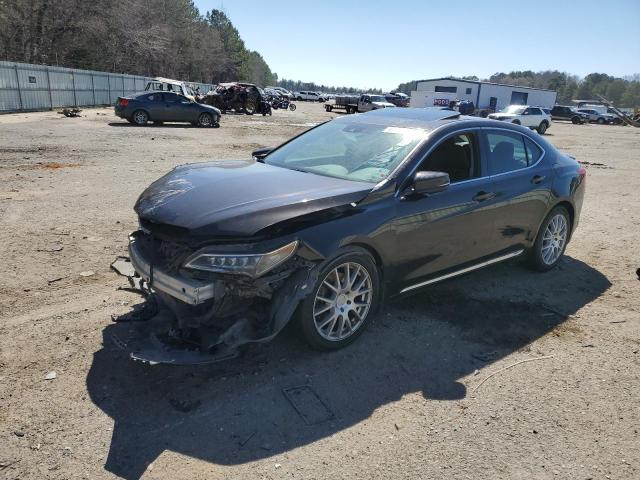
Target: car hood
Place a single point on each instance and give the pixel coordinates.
(236, 198)
(502, 115)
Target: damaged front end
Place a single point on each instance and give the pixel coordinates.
(212, 301)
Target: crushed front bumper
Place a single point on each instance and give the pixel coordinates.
(188, 290)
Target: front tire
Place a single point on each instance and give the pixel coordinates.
(342, 301)
(601, 121)
(575, 120)
(516, 122)
(205, 120)
(140, 117)
(551, 241)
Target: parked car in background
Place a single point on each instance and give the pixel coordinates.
(282, 91)
(160, 107)
(399, 99)
(562, 112)
(532, 117)
(309, 96)
(598, 117)
(324, 228)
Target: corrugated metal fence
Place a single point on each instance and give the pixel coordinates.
(39, 87)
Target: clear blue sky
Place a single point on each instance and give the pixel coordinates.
(382, 43)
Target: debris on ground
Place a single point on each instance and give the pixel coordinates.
(51, 249)
(70, 112)
(52, 375)
(308, 404)
(87, 273)
(508, 367)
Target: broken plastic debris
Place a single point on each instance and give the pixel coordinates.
(122, 266)
(51, 375)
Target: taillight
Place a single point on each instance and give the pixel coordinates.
(124, 102)
(583, 174)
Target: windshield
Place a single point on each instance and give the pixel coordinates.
(378, 98)
(353, 151)
(514, 109)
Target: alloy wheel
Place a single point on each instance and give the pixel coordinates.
(342, 301)
(554, 239)
(205, 120)
(140, 118)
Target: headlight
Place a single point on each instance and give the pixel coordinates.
(252, 265)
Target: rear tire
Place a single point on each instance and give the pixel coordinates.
(250, 108)
(601, 121)
(140, 117)
(551, 241)
(516, 122)
(575, 120)
(542, 128)
(292, 107)
(352, 312)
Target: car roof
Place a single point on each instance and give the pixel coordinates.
(424, 118)
(427, 119)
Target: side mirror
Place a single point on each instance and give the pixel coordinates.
(259, 154)
(425, 183)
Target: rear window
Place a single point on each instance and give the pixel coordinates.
(155, 97)
(534, 152)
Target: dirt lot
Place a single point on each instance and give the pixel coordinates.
(407, 399)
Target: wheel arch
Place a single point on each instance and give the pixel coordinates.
(572, 215)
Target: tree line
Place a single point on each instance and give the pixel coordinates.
(297, 86)
(168, 38)
(623, 92)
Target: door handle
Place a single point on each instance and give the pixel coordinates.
(482, 196)
(538, 179)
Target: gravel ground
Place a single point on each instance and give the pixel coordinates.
(405, 401)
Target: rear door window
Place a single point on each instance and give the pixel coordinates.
(506, 152)
(534, 152)
(171, 98)
(155, 97)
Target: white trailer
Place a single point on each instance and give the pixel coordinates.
(487, 97)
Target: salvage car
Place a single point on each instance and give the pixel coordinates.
(325, 227)
(160, 107)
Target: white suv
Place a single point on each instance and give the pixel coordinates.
(310, 96)
(532, 117)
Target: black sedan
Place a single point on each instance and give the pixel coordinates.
(326, 226)
(159, 107)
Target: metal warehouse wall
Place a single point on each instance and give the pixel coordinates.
(39, 87)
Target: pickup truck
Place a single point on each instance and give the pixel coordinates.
(364, 103)
(561, 112)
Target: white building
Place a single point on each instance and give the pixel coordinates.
(484, 95)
